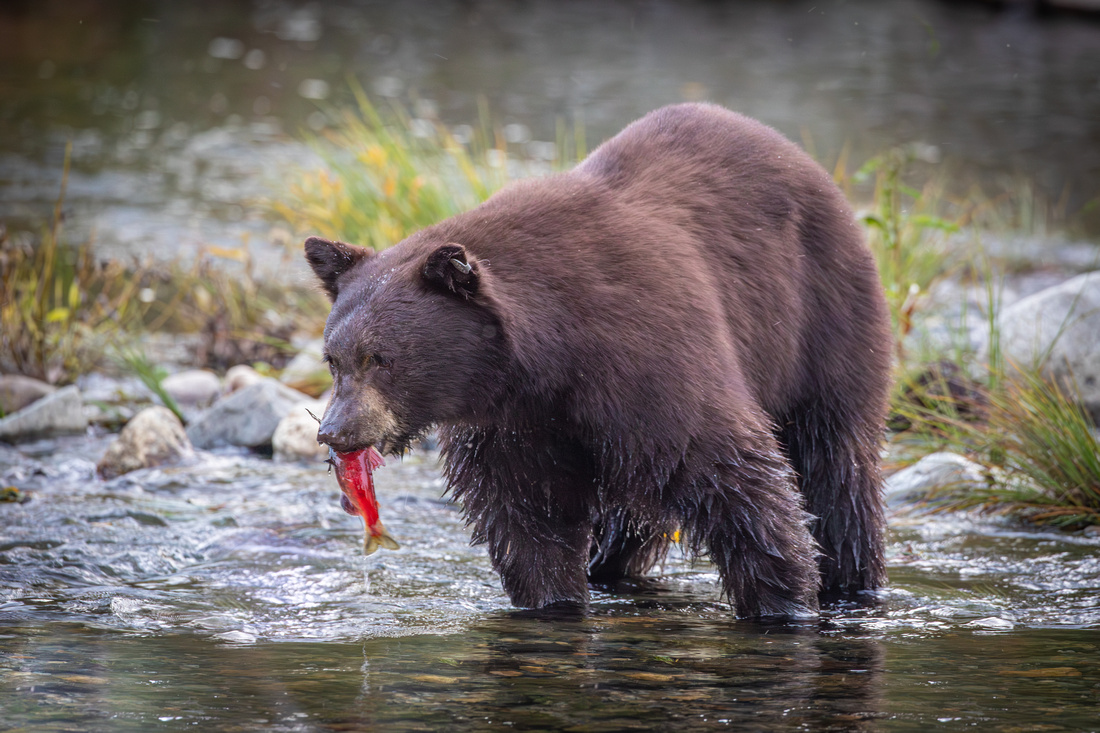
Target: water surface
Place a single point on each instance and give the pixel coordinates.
(230, 593)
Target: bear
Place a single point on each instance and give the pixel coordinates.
(684, 336)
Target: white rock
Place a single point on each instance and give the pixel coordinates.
(57, 413)
(241, 376)
(306, 371)
(295, 438)
(936, 470)
(154, 436)
(1058, 329)
(991, 622)
(17, 391)
(194, 387)
(248, 417)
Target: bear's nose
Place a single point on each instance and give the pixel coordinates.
(338, 440)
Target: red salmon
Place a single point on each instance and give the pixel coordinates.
(354, 473)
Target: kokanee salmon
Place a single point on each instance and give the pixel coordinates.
(354, 473)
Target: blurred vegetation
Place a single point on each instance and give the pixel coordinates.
(66, 312)
(60, 306)
(387, 176)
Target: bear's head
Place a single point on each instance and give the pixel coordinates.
(412, 341)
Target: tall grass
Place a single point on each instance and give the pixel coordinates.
(1037, 441)
(386, 176)
(64, 311)
(382, 180)
(906, 231)
(61, 308)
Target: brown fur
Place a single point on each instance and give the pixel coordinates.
(680, 333)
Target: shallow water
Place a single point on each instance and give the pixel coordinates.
(230, 593)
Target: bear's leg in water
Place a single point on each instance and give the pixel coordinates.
(532, 507)
(741, 506)
(836, 459)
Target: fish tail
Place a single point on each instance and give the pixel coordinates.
(376, 536)
(370, 544)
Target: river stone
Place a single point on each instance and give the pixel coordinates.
(240, 376)
(248, 417)
(59, 412)
(1059, 330)
(194, 387)
(934, 471)
(154, 436)
(17, 391)
(295, 438)
(306, 371)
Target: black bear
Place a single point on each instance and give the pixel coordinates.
(683, 333)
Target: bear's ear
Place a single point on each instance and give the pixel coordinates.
(449, 268)
(330, 260)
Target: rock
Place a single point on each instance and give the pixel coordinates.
(295, 438)
(17, 391)
(153, 437)
(991, 622)
(1058, 329)
(306, 372)
(194, 387)
(241, 376)
(248, 417)
(59, 412)
(934, 471)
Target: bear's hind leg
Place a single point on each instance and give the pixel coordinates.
(836, 459)
(744, 510)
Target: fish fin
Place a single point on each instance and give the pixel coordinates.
(370, 545)
(379, 536)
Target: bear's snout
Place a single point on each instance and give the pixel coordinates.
(336, 438)
(349, 425)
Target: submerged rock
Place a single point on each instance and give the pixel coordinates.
(1058, 329)
(58, 413)
(193, 388)
(295, 438)
(17, 391)
(154, 436)
(934, 471)
(248, 417)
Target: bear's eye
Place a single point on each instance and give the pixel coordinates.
(378, 360)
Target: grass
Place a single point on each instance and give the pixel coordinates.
(1037, 442)
(151, 375)
(64, 311)
(1039, 445)
(61, 308)
(905, 231)
(387, 176)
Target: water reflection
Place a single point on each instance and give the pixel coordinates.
(622, 671)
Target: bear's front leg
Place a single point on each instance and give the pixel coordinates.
(528, 496)
(744, 510)
(542, 559)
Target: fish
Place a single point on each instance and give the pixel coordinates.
(354, 473)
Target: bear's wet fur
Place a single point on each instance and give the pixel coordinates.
(685, 332)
